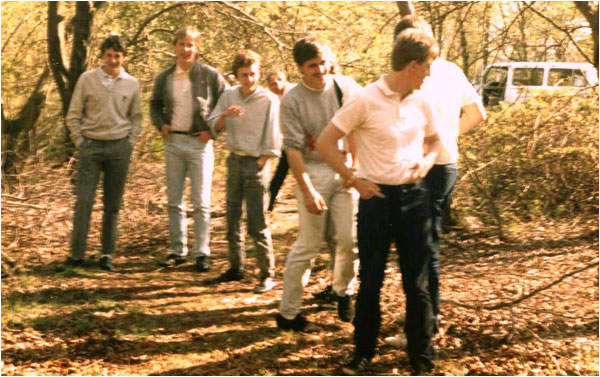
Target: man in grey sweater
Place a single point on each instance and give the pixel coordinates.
(305, 111)
(250, 114)
(104, 120)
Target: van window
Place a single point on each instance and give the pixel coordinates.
(496, 76)
(566, 77)
(528, 76)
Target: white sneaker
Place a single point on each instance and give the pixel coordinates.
(265, 285)
(396, 341)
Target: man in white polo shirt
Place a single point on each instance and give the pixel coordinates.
(397, 145)
(449, 92)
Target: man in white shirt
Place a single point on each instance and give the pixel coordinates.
(448, 91)
(397, 144)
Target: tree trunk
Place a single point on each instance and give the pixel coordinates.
(25, 121)
(66, 79)
(55, 55)
(589, 10)
(405, 8)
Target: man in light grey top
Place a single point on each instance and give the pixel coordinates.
(104, 120)
(250, 115)
(305, 111)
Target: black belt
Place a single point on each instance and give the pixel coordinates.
(181, 133)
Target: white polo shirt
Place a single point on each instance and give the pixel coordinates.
(448, 90)
(389, 132)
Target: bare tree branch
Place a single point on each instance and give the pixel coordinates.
(529, 295)
(567, 32)
(15, 30)
(254, 21)
(135, 39)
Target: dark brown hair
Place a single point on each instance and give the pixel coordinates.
(244, 58)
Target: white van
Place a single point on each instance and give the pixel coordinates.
(516, 81)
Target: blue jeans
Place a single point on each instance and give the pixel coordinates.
(440, 182)
(403, 217)
(245, 181)
(186, 155)
(95, 156)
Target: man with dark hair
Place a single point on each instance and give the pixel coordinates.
(250, 114)
(305, 111)
(183, 97)
(397, 144)
(104, 120)
(449, 92)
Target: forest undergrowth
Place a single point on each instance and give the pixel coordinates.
(526, 305)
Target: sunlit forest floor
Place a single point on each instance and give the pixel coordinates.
(524, 306)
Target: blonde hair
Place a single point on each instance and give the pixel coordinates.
(187, 31)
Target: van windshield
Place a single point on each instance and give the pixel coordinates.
(528, 76)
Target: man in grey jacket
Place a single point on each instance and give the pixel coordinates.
(183, 97)
(104, 120)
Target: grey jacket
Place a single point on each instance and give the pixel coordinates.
(207, 86)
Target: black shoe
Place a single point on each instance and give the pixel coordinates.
(202, 264)
(70, 263)
(299, 324)
(105, 263)
(326, 295)
(172, 260)
(345, 308)
(233, 274)
(423, 367)
(357, 366)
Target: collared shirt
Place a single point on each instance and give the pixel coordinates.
(182, 101)
(108, 80)
(448, 90)
(389, 131)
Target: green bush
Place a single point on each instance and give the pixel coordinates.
(538, 159)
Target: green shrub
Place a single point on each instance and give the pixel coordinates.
(538, 159)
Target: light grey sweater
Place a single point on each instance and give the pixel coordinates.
(306, 112)
(99, 113)
(256, 133)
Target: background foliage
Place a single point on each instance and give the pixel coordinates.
(515, 154)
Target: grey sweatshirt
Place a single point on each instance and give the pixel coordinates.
(306, 112)
(256, 133)
(97, 112)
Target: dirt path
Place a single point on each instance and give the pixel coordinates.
(144, 320)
